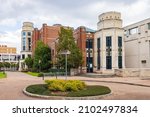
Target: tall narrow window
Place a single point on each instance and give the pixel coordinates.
(29, 44)
(108, 53)
(98, 53)
(119, 41)
(148, 26)
(24, 33)
(89, 57)
(119, 52)
(108, 41)
(108, 62)
(24, 44)
(119, 62)
(29, 33)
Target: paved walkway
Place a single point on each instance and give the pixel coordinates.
(122, 88)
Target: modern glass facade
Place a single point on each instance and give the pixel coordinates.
(89, 57)
(23, 43)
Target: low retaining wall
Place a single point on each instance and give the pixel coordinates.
(133, 72)
(145, 73)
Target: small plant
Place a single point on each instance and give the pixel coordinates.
(65, 85)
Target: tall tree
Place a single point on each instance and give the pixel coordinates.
(42, 57)
(29, 62)
(67, 42)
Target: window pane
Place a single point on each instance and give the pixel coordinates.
(149, 26)
(108, 62)
(98, 43)
(119, 41)
(29, 33)
(23, 33)
(133, 31)
(120, 61)
(108, 41)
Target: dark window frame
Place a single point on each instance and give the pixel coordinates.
(108, 41)
(119, 41)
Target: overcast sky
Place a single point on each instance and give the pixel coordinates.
(66, 12)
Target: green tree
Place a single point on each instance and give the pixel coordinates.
(6, 64)
(1, 65)
(29, 62)
(42, 57)
(67, 42)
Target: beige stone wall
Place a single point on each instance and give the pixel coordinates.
(109, 20)
(130, 72)
(27, 27)
(109, 27)
(137, 45)
(133, 72)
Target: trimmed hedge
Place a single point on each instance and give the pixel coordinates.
(65, 85)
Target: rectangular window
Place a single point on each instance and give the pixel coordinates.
(29, 33)
(149, 26)
(24, 33)
(89, 43)
(133, 31)
(108, 62)
(108, 41)
(98, 53)
(119, 62)
(29, 43)
(23, 44)
(24, 48)
(23, 56)
(98, 42)
(119, 41)
(89, 63)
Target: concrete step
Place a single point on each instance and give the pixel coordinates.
(95, 75)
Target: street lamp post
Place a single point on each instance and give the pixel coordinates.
(39, 65)
(66, 52)
(66, 65)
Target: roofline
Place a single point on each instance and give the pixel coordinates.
(136, 23)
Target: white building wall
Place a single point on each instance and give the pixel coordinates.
(110, 24)
(27, 27)
(137, 46)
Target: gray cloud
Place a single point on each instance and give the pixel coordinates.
(67, 12)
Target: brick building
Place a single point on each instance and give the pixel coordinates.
(49, 35)
(84, 38)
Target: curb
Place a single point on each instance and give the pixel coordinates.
(134, 84)
(65, 98)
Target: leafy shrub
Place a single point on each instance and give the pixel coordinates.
(65, 85)
(40, 74)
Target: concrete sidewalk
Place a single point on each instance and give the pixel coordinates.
(122, 88)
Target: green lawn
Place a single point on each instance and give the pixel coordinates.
(32, 73)
(2, 75)
(42, 89)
